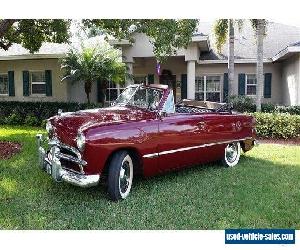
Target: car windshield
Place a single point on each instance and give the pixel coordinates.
(140, 96)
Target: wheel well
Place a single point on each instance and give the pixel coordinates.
(135, 155)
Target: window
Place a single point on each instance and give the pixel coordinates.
(208, 88)
(140, 79)
(3, 84)
(38, 82)
(112, 92)
(251, 84)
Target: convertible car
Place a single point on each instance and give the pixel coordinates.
(142, 133)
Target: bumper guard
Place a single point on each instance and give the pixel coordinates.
(54, 167)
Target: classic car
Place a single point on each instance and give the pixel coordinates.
(143, 133)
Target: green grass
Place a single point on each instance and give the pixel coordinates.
(263, 191)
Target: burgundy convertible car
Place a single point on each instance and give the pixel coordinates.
(144, 133)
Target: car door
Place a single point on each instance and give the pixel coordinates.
(179, 138)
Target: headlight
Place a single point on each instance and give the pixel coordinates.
(80, 141)
(49, 127)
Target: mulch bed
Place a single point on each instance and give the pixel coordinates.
(8, 149)
(294, 141)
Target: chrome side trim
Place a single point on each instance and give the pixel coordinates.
(153, 155)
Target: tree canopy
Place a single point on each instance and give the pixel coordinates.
(166, 35)
(31, 33)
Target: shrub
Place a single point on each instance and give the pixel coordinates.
(293, 110)
(242, 103)
(32, 121)
(277, 125)
(13, 119)
(268, 107)
(33, 113)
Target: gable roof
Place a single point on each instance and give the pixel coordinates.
(278, 37)
(47, 50)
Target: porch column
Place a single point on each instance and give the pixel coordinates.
(128, 80)
(191, 79)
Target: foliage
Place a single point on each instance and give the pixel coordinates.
(207, 197)
(221, 32)
(277, 125)
(166, 35)
(13, 119)
(293, 110)
(34, 113)
(242, 103)
(89, 64)
(31, 120)
(268, 107)
(31, 33)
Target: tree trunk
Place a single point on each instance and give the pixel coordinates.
(231, 58)
(88, 88)
(260, 32)
(5, 24)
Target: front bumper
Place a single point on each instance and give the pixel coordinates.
(50, 161)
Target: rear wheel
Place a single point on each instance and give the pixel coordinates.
(120, 175)
(232, 154)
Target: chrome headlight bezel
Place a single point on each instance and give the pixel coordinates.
(80, 141)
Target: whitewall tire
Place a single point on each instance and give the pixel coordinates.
(232, 153)
(120, 175)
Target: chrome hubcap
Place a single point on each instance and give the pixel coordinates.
(231, 152)
(124, 177)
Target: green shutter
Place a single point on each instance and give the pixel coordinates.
(225, 87)
(268, 85)
(150, 79)
(48, 77)
(100, 91)
(11, 83)
(26, 87)
(183, 86)
(242, 82)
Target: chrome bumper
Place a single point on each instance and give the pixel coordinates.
(54, 167)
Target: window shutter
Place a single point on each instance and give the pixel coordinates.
(26, 87)
(150, 79)
(242, 82)
(48, 78)
(268, 85)
(225, 87)
(11, 83)
(183, 86)
(100, 91)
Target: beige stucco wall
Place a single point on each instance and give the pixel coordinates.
(59, 90)
(77, 93)
(291, 80)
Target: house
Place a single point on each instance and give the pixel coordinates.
(197, 72)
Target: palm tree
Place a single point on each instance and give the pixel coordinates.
(223, 30)
(89, 64)
(259, 26)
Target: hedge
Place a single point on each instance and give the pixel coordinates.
(246, 104)
(277, 125)
(34, 113)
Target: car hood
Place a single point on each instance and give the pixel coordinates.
(67, 125)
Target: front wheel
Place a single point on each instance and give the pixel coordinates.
(120, 175)
(232, 154)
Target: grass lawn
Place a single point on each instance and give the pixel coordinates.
(263, 191)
